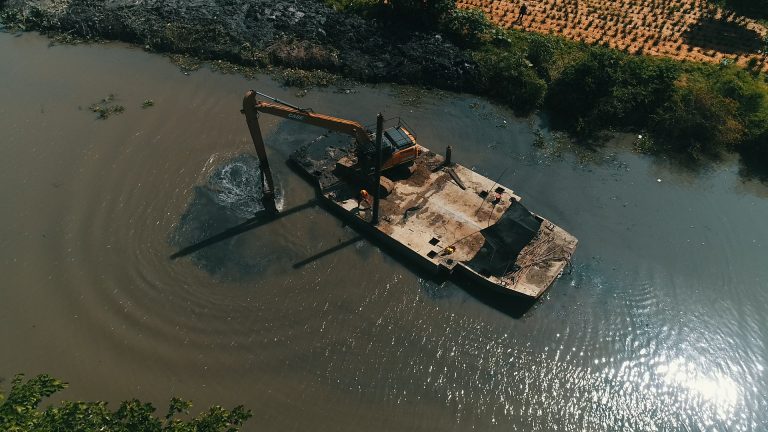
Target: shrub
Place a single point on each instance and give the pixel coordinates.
(642, 85)
(749, 93)
(507, 77)
(699, 120)
(541, 52)
(466, 27)
(609, 89)
(575, 95)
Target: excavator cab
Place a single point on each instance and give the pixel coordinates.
(398, 147)
(402, 144)
(396, 139)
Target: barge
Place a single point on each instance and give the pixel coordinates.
(440, 215)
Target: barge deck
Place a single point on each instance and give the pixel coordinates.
(449, 219)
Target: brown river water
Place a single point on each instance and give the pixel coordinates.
(660, 325)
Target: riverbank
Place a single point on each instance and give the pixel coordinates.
(698, 110)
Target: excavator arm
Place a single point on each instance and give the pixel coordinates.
(252, 108)
(335, 124)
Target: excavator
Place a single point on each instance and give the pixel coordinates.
(398, 147)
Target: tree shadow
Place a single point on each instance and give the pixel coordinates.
(724, 36)
(751, 8)
(753, 166)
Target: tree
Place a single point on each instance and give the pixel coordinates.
(508, 78)
(466, 26)
(698, 119)
(20, 412)
(609, 89)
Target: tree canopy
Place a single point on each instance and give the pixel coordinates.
(20, 412)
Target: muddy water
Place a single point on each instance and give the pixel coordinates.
(660, 325)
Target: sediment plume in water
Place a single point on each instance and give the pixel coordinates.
(226, 206)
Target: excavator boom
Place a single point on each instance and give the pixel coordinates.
(403, 149)
(335, 124)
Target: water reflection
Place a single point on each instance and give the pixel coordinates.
(715, 389)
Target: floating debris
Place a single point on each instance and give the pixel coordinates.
(105, 108)
(185, 63)
(225, 67)
(643, 144)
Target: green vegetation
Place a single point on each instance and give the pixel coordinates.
(700, 110)
(697, 109)
(507, 77)
(20, 412)
(466, 27)
(607, 89)
(713, 110)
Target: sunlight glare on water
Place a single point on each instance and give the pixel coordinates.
(716, 390)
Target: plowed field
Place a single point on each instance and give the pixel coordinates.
(680, 29)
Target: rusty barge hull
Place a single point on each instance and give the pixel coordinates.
(450, 220)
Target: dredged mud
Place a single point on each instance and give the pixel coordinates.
(303, 34)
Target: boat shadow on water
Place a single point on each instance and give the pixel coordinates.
(512, 305)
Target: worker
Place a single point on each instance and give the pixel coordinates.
(449, 250)
(365, 200)
(523, 12)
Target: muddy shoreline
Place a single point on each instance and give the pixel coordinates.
(295, 34)
(307, 43)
